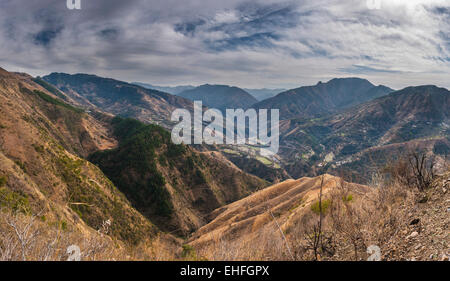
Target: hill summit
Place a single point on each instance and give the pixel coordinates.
(220, 96)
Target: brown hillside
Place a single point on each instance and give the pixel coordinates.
(246, 220)
(175, 186)
(119, 98)
(41, 142)
(281, 221)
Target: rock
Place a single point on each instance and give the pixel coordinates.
(423, 200)
(414, 234)
(444, 258)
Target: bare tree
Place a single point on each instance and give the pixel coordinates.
(346, 218)
(317, 240)
(415, 170)
(24, 237)
(422, 170)
(24, 233)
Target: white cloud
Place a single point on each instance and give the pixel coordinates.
(250, 44)
(226, 17)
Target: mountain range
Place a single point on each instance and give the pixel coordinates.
(262, 94)
(149, 106)
(259, 94)
(220, 96)
(415, 118)
(323, 98)
(44, 145)
(117, 97)
(334, 125)
(85, 166)
(82, 150)
(167, 89)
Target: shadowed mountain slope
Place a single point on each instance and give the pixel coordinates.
(220, 96)
(173, 185)
(119, 98)
(42, 142)
(414, 116)
(262, 94)
(323, 98)
(171, 90)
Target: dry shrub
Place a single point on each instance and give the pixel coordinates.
(372, 218)
(265, 244)
(416, 170)
(160, 248)
(27, 238)
(308, 242)
(353, 220)
(347, 218)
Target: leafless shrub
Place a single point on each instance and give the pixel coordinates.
(159, 248)
(314, 239)
(25, 237)
(270, 246)
(371, 218)
(346, 218)
(423, 170)
(416, 170)
(312, 234)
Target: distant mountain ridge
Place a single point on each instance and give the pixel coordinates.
(220, 96)
(323, 127)
(127, 100)
(141, 181)
(119, 98)
(259, 94)
(74, 169)
(171, 90)
(410, 113)
(323, 98)
(262, 94)
(415, 118)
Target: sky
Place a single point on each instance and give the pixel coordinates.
(251, 44)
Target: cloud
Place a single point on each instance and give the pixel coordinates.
(226, 17)
(259, 43)
(360, 69)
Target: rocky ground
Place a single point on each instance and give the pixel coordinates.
(425, 236)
